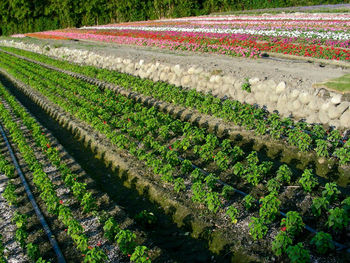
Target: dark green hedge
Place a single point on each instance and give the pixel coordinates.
(21, 16)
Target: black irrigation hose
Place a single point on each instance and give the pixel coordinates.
(42, 220)
(310, 229)
(104, 84)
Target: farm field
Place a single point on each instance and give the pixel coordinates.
(221, 138)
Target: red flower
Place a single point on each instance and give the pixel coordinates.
(83, 255)
(104, 122)
(99, 243)
(75, 179)
(42, 133)
(284, 229)
(170, 148)
(89, 247)
(128, 119)
(65, 230)
(61, 202)
(129, 255)
(48, 145)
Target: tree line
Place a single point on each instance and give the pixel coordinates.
(21, 16)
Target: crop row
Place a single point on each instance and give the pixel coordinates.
(173, 148)
(124, 238)
(19, 219)
(326, 142)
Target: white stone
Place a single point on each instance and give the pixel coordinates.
(335, 123)
(296, 105)
(259, 97)
(217, 79)
(281, 87)
(282, 103)
(273, 98)
(212, 79)
(191, 70)
(163, 76)
(228, 80)
(314, 104)
(240, 96)
(312, 118)
(238, 85)
(294, 94)
(325, 106)
(270, 84)
(225, 88)
(259, 87)
(336, 98)
(185, 80)
(323, 116)
(250, 99)
(254, 81)
(335, 112)
(304, 98)
(177, 69)
(232, 92)
(166, 69)
(198, 70)
(345, 119)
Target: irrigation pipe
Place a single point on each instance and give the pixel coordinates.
(60, 257)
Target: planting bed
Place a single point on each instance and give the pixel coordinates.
(285, 85)
(175, 238)
(215, 166)
(205, 139)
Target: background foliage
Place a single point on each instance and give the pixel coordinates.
(21, 16)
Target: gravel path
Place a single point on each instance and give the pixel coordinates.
(13, 251)
(93, 228)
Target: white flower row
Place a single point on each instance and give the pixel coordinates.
(274, 33)
(266, 17)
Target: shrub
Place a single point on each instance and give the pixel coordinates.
(293, 223)
(232, 212)
(323, 242)
(297, 254)
(337, 219)
(280, 243)
(308, 180)
(331, 191)
(257, 228)
(319, 204)
(269, 207)
(248, 201)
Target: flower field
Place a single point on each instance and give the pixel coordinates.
(322, 36)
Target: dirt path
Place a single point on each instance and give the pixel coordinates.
(295, 73)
